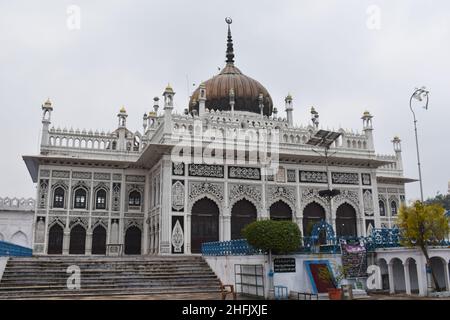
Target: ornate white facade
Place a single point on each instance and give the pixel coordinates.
(104, 192)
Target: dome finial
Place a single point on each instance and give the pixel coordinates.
(230, 51)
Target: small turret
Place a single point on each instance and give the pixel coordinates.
(47, 109)
(289, 109)
(202, 99)
(315, 118)
(367, 129)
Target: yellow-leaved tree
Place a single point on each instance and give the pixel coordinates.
(422, 226)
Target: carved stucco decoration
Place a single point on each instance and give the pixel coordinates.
(347, 196)
(368, 202)
(198, 190)
(177, 237)
(275, 193)
(178, 195)
(250, 192)
(310, 195)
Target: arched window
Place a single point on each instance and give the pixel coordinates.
(58, 198)
(100, 199)
(393, 208)
(382, 208)
(80, 199)
(134, 199)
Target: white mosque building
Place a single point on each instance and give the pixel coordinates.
(134, 192)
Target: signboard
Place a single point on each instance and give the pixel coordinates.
(354, 259)
(282, 265)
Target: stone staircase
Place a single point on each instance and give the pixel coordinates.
(46, 277)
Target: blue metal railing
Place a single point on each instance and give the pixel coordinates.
(13, 250)
(379, 238)
(226, 248)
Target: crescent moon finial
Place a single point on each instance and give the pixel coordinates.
(228, 20)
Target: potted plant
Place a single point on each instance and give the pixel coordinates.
(339, 278)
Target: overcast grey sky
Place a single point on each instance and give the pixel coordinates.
(322, 52)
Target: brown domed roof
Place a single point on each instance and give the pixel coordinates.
(246, 89)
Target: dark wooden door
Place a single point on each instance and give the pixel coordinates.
(243, 213)
(346, 221)
(312, 214)
(280, 211)
(99, 240)
(204, 224)
(133, 240)
(77, 240)
(55, 239)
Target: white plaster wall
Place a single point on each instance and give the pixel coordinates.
(223, 266)
(16, 227)
(299, 281)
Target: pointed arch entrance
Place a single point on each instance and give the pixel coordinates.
(204, 223)
(280, 211)
(133, 237)
(346, 221)
(55, 239)
(242, 214)
(99, 240)
(77, 240)
(312, 214)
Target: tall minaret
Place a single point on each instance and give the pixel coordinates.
(46, 120)
(289, 109)
(261, 104)
(202, 100)
(315, 118)
(398, 152)
(122, 129)
(368, 129)
(168, 107)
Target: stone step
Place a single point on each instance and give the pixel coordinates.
(46, 277)
(36, 294)
(8, 282)
(101, 286)
(108, 268)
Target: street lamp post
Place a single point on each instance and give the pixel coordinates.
(418, 94)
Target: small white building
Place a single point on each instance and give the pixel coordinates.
(16, 220)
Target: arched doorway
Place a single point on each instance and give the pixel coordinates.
(413, 278)
(346, 221)
(99, 240)
(55, 239)
(77, 240)
(133, 240)
(398, 275)
(204, 224)
(280, 211)
(438, 266)
(312, 214)
(384, 273)
(243, 213)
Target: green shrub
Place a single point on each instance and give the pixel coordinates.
(278, 236)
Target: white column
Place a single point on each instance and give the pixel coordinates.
(146, 225)
(407, 278)
(421, 276)
(391, 278)
(88, 248)
(187, 231)
(165, 206)
(446, 274)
